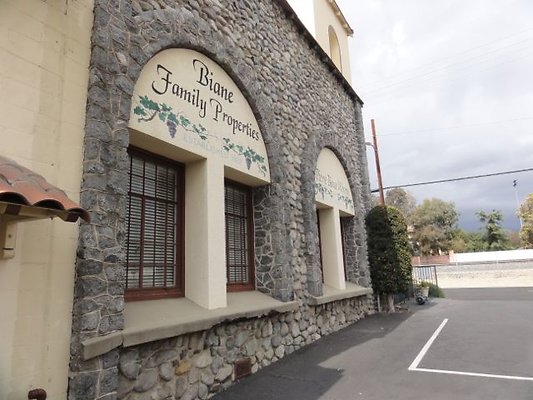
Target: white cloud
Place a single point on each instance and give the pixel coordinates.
(398, 34)
(423, 66)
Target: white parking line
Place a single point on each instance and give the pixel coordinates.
(416, 362)
(426, 347)
(444, 371)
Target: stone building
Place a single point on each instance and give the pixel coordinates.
(220, 153)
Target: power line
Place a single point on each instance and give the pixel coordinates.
(464, 178)
(388, 96)
(429, 80)
(437, 63)
(471, 61)
(454, 127)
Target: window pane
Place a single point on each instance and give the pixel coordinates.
(238, 250)
(153, 236)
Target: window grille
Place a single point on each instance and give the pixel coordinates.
(239, 237)
(154, 240)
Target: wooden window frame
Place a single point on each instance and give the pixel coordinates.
(178, 290)
(343, 243)
(250, 285)
(319, 244)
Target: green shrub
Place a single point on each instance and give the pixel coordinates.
(435, 291)
(389, 253)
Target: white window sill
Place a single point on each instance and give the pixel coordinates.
(148, 321)
(331, 294)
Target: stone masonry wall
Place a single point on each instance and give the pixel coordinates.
(201, 364)
(301, 107)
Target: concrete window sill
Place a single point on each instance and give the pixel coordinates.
(331, 294)
(148, 321)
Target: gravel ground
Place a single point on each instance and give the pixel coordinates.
(511, 274)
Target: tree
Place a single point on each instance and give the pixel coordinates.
(403, 201)
(467, 242)
(434, 226)
(526, 215)
(374, 200)
(493, 235)
(389, 253)
(474, 242)
(514, 239)
(459, 242)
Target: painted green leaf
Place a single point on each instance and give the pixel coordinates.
(139, 111)
(172, 117)
(185, 122)
(149, 104)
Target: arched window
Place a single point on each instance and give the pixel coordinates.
(333, 200)
(334, 48)
(190, 199)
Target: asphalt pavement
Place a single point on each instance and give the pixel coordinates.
(484, 350)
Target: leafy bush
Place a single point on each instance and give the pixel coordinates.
(389, 253)
(435, 291)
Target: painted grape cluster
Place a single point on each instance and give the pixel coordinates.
(148, 109)
(248, 153)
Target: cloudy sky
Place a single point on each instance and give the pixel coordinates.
(450, 86)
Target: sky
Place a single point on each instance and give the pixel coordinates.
(449, 84)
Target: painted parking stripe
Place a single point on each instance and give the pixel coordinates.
(416, 362)
(443, 371)
(420, 356)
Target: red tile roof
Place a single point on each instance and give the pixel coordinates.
(20, 185)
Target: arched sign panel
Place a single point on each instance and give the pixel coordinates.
(184, 98)
(331, 184)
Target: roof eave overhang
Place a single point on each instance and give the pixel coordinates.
(338, 13)
(24, 212)
(25, 194)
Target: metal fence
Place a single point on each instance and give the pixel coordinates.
(427, 273)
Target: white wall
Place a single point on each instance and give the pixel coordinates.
(491, 256)
(318, 16)
(44, 59)
(325, 19)
(305, 9)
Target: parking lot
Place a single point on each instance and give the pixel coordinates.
(475, 344)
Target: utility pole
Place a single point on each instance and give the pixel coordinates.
(378, 168)
(515, 183)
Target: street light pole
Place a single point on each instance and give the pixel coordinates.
(376, 157)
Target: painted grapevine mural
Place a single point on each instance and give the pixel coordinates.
(331, 184)
(148, 109)
(184, 98)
